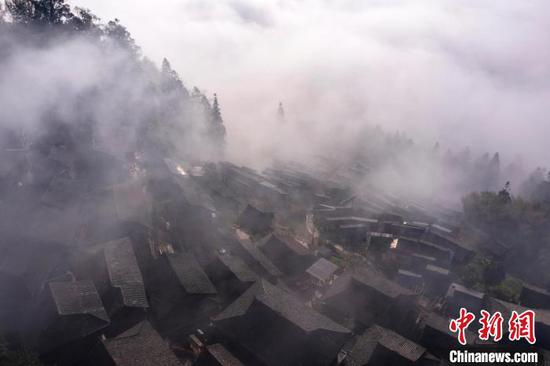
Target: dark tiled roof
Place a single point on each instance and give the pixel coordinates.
(254, 219)
(368, 278)
(422, 256)
(190, 274)
(179, 169)
(140, 346)
(380, 235)
(238, 267)
(442, 228)
(268, 185)
(505, 307)
(77, 298)
(448, 240)
(441, 324)
(432, 268)
(260, 257)
(124, 272)
(431, 246)
(406, 273)
(366, 344)
(194, 194)
(534, 288)
(438, 322)
(132, 202)
(460, 288)
(279, 241)
(282, 303)
(322, 269)
(355, 219)
(223, 356)
(352, 226)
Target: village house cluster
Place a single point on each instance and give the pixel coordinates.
(144, 260)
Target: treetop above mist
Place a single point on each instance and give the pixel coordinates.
(91, 74)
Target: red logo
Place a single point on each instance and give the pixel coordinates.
(520, 326)
(491, 326)
(461, 324)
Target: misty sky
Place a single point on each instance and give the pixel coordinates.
(467, 73)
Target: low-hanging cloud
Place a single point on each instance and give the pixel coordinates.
(94, 84)
(469, 73)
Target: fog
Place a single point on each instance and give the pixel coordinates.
(90, 82)
(350, 128)
(469, 73)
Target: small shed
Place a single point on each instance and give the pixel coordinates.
(322, 272)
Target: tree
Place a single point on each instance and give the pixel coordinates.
(39, 12)
(53, 11)
(218, 128)
(216, 113)
(166, 68)
(118, 33)
(504, 194)
(171, 81)
(84, 20)
(3, 12)
(20, 10)
(281, 113)
(531, 185)
(200, 101)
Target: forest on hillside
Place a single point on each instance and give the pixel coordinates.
(71, 73)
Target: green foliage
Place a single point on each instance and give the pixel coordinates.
(504, 216)
(338, 261)
(487, 208)
(519, 224)
(475, 275)
(508, 290)
(472, 274)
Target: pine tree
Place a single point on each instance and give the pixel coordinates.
(117, 32)
(281, 113)
(216, 129)
(166, 67)
(216, 113)
(504, 194)
(171, 81)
